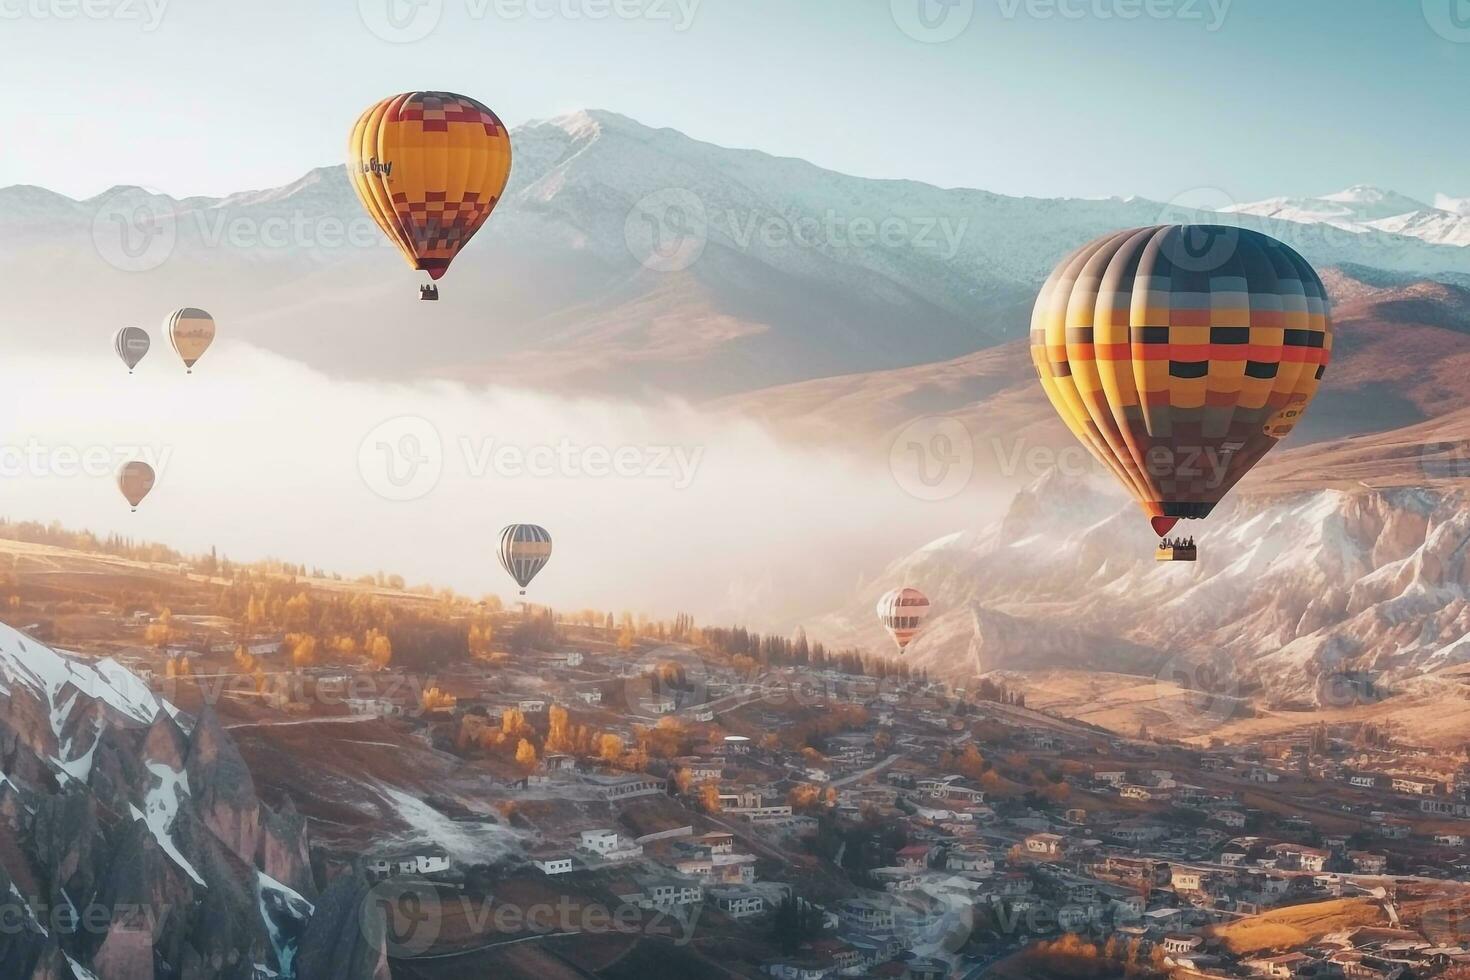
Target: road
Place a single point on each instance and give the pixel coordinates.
(845, 780)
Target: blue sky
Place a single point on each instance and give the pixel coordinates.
(1043, 97)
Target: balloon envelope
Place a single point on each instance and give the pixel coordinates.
(131, 344)
(190, 332)
(1179, 355)
(524, 550)
(429, 167)
(902, 612)
(135, 480)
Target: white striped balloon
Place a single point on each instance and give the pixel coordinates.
(524, 550)
(131, 344)
(902, 612)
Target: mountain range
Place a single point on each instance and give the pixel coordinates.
(630, 260)
(637, 262)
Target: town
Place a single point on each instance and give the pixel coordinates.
(763, 806)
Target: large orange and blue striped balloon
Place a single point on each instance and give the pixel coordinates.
(1179, 355)
(429, 167)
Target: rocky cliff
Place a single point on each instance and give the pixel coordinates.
(132, 843)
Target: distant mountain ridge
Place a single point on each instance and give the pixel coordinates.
(1364, 209)
(624, 259)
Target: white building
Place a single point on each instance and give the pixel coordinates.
(552, 864)
(610, 846)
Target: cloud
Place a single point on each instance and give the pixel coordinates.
(656, 508)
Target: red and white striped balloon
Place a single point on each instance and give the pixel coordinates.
(902, 613)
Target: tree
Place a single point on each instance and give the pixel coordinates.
(609, 748)
(526, 755)
(303, 650)
(558, 735)
(161, 632)
(379, 649)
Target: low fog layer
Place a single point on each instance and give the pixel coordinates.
(653, 508)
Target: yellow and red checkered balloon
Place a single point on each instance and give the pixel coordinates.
(429, 167)
(1179, 355)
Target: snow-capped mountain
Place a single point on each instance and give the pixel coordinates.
(622, 258)
(1454, 205)
(1362, 209)
(113, 803)
(1296, 584)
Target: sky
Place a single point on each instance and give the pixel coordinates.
(1084, 98)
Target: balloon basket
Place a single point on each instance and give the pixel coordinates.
(429, 293)
(1180, 552)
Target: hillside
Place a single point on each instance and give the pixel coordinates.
(1399, 356)
(622, 259)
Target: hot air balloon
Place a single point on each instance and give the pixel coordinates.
(902, 613)
(131, 344)
(135, 480)
(429, 167)
(524, 550)
(1179, 355)
(190, 331)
